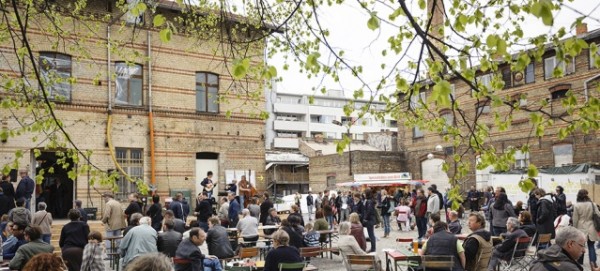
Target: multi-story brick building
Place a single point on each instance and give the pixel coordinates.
(532, 88)
(166, 100)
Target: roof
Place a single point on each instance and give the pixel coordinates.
(280, 156)
(567, 169)
(328, 148)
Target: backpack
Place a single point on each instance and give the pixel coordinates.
(484, 253)
(20, 215)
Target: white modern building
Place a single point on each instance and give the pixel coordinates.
(293, 117)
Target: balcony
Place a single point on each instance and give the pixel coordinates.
(289, 108)
(284, 125)
(286, 143)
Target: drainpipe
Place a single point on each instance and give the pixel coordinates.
(585, 85)
(150, 115)
(108, 71)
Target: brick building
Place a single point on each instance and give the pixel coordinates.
(170, 91)
(532, 88)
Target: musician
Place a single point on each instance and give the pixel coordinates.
(208, 184)
(245, 190)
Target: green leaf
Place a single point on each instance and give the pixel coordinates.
(158, 20)
(422, 4)
(373, 22)
(441, 94)
(532, 171)
(165, 35)
(240, 68)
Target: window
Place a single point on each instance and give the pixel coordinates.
(331, 180)
(551, 63)
(449, 121)
(519, 100)
(594, 59)
(133, 15)
(417, 133)
(485, 81)
(129, 84)
(507, 77)
(391, 123)
(483, 108)
(530, 73)
(359, 136)
(521, 159)
(321, 119)
(559, 91)
(55, 69)
(417, 99)
(452, 92)
(288, 117)
(132, 162)
(289, 100)
(207, 92)
(563, 154)
(347, 120)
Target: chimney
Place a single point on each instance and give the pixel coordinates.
(435, 13)
(581, 29)
(319, 138)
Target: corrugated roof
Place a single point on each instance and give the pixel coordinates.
(328, 148)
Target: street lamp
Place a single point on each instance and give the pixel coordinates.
(338, 123)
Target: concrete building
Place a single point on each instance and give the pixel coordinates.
(426, 151)
(294, 122)
(164, 124)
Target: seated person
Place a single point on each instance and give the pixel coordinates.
(454, 225)
(478, 244)
(282, 252)
(444, 243)
(526, 223)
(348, 245)
(311, 237)
(505, 249)
(433, 218)
(357, 230)
(295, 233)
(188, 250)
(9, 248)
(272, 219)
(35, 245)
(563, 255)
(217, 239)
(321, 224)
(248, 228)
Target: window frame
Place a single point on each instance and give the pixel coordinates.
(417, 100)
(128, 162)
(555, 64)
(131, 19)
(559, 145)
(480, 108)
(417, 133)
(448, 120)
(207, 86)
(134, 76)
(591, 58)
(44, 70)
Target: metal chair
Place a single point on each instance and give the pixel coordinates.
(519, 256)
(292, 266)
(543, 241)
(437, 262)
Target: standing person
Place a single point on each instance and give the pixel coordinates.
(309, 205)
(318, 202)
(25, 188)
(385, 212)
(9, 191)
(264, 208)
(93, 253)
(208, 184)
(224, 212)
(189, 249)
(168, 240)
(545, 212)
(177, 207)
(83, 214)
(43, 219)
(532, 201)
(113, 219)
(369, 218)
(345, 206)
(359, 206)
(203, 210)
(155, 213)
(57, 199)
(298, 201)
(433, 202)
(134, 205)
(245, 189)
(500, 211)
(403, 214)
(328, 211)
(583, 210)
(473, 197)
(73, 239)
(421, 213)
(234, 210)
(20, 214)
(561, 201)
(138, 241)
(441, 199)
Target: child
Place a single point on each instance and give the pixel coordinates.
(311, 238)
(403, 213)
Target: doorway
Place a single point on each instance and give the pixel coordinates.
(56, 189)
(205, 162)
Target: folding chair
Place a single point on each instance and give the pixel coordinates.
(437, 262)
(361, 262)
(292, 266)
(544, 241)
(519, 256)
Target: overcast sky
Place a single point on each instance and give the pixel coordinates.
(348, 27)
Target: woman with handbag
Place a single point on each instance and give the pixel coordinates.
(584, 212)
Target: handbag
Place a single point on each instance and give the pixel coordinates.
(595, 217)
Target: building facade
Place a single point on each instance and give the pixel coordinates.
(159, 118)
(533, 88)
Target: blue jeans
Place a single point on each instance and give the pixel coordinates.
(241, 197)
(110, 233)
(371, 231)
(591, 252)
(386, 224)
(421, 226)
(496, 231)
(46, 238)
(330, 220)
(212, 265)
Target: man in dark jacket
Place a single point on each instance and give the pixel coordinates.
(234, 210)
(217, 240)
(532, 202)
(477, 243)
(169, 239)
(203, 211)
(264, 208)
(505, 249)
(561, 201)
(570, 245)
(444, 243)
(5, 203)
(177, 207)
(188, 251)
(545, 213)
(134, 206)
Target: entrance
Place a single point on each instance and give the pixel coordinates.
(205, 162)
(56, 189)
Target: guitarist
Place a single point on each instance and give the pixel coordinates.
(245, 190)
(208, 185)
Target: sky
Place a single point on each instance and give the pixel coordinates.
(348, 27)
